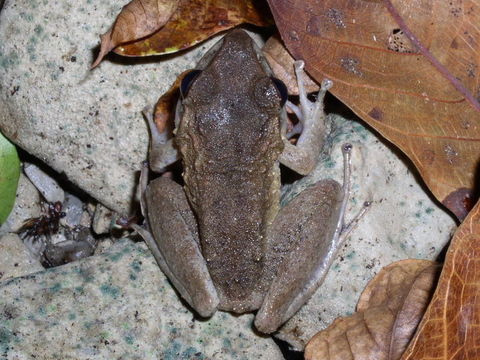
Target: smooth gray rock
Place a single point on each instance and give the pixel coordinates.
(74, 211)
(117, 305)
(86, 124)
(47, 185)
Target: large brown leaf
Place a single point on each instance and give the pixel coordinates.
(450, 328)
(388, 313)
(416, 94)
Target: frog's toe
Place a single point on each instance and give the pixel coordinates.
(267, 321)
(205, 306)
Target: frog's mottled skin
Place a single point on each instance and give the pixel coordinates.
(230, 141)
(223, 240)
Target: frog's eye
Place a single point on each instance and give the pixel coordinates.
(282, 90)
(187, 81)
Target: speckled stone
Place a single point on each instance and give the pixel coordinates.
(116, 305)
(86, 124)
(403, 222)
(15, 259)
(103, 220)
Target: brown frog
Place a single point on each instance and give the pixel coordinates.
(222, 239)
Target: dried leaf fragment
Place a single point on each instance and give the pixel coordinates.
(387, 315)
(281, 63)
(137, 19)
(449, 329)
(164, 112)
(195, 21)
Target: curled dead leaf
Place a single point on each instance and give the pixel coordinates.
(388, 313)
(195, 21)
(137, 19)
(449, 329)
(165, 108)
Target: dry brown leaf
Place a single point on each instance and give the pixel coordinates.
(450, 328)
(164, 112)
(387, 315)
(281, 63)
(428, 111)
(195, 21)
(137, 19)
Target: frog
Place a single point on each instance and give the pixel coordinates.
(222, 238)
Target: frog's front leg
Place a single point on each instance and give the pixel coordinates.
(162, 151)
(173, 240)
(303, 156)
(303, 252)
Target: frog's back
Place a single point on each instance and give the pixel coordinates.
(230, 140)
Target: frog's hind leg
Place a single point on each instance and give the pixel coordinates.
(304, 251)
(175, 245)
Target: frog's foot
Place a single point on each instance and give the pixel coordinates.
(175, 245)
(310, 247)
(162, 152)
(303, 156)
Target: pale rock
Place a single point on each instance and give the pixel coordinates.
(85, 124)
(112, 306)
(47, 185)
(15, 259)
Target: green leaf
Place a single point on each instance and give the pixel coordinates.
(9, 174)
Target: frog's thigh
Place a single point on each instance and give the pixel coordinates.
(176, 237)
(300, 241)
